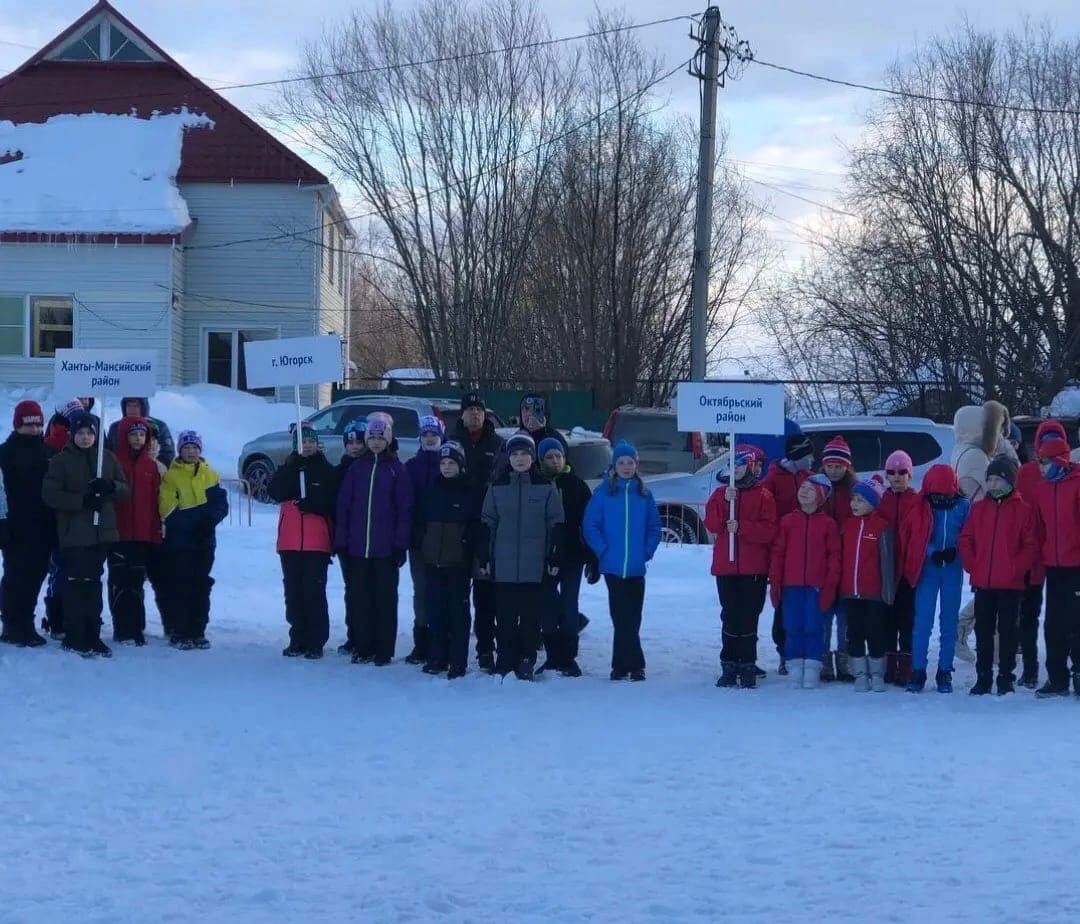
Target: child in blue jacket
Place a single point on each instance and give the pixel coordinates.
(622, 527)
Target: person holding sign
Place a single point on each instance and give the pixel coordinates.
(746, 511)
(85, 505)
(305, 542)
(192, 503)
(373, 527)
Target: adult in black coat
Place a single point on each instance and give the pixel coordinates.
(31, 526)
(483, 447)
(140, 407)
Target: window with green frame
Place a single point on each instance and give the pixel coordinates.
(36, 325)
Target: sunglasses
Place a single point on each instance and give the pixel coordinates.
(892, 472)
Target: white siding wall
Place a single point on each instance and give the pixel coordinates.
(333, 317)
(176, 330)
(122, 298)
(262, 284)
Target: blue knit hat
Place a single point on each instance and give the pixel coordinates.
(431, 424)
(81, 420)
(547, 444)
(623, 450)
(354, 430)
(869, 491)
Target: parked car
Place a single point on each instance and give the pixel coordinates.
(589, 455)
(681, 499)
(654, 431)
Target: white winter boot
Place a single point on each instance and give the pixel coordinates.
(877, 675)
(963, 632)
(860, 670)
(795, 673)
(811, 674)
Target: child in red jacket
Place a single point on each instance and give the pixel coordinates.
(899, 504)
(804, 572)
(867, 584)
(838, 465)
(998, 547)
(747, 512)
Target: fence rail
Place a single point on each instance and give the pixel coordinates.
(239, 492)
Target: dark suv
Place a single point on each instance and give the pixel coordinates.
(654, 432)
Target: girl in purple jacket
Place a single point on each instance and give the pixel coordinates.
(372, 531)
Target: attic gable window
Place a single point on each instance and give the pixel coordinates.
(85, 48)
(103, 41)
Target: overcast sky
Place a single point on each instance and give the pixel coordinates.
(784, 130)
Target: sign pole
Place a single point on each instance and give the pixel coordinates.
(731, 506)
(100, 449)
(300, 439)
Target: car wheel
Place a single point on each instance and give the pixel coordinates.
(257, 473)
(681, 526)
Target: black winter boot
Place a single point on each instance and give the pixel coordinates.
(486, 662)
(98, 647)
(1029, 679)
(1051, 690)
(292, 651)
(54, 617)
(1005, 684)
(748, 676)
(984, 683)
(421, 641)
(729, 676)
(553, 653)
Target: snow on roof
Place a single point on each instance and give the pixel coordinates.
(95, 173)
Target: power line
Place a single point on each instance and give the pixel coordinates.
(785, 192)
(416, 198)
(359, 72)
(911, 94)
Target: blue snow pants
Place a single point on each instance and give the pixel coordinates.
(803, 624)
(947, 584)
(839, 614)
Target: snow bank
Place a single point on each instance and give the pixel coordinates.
(95, 173)
(1066, 402)
(226, 419)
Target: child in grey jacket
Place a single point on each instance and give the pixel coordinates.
(523, 518)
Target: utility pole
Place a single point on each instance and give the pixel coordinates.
(719, 51)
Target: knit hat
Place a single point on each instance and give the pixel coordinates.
(1004, 468)
(521, 442)
(81, 420)
(546, 445)
(623, 450)
(380, 424)
(798, 446)
(899, 461)
(139, 425)
(869, 491)
(452, 449)
(822, 485)
(746, 454)
(28, 413)
(306, 433)
(431, 424)
(189, 438)
(837, 450)
(472, 399)
(354, 430)
(67, 408)
(1052, 443)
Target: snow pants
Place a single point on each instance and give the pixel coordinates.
(804, 637)
(447, 607)
(83, 602)
(996, 611)
(127, 577)
(839, 615)
(517, 624)
(157, 574)
(560, 618)
(352, 604)
(25, 567)
(943, 584)
(778, 629)
(1062, 626)
(418, 574)
(484, 607)
(866, 621)
(626, 600)
(189, 585)
(1028, 632)
(54, 593)
(375, 582)
(742, 598)
(306, 610)
(900, 619)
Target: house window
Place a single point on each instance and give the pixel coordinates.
(225, 363)
(49, 320)
(87, 47)
(103, 41)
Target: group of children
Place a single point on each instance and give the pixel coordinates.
(882, 560)
(464, 511)
(141, 518)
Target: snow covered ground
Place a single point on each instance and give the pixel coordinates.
(235, 785)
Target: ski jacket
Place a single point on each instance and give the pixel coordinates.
(374, 508)
(166, 446)
(305, 525)
(449, 523)
(897, 509)
(137, 517)
(1027, 485)
(480, 453)
(622, 526)
(423, 469)
(575, 495)
(191, 503)
(838, 505)
(999, 543)
(784, 487)
(806, 553)
(755, 510)
(869, 559)
(66, 484)
(523, 517)
(24, 461)
(1057, 504)
(929, 529)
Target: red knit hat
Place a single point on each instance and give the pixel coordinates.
(837, 450)
(28, 413)
(1051, 442)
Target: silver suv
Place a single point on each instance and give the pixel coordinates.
(661, 448)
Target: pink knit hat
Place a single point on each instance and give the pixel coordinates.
(899, 461)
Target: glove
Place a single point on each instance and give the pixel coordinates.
(592, 572)
(938, 558)
(92, 502)
(304, 505)
(948, 556)
(552, 565)
(102, 487)
(400, 557)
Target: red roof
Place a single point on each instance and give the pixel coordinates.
(237, 149)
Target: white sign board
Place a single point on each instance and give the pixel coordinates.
(294, 361)
(731, 407)
(105, 373)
